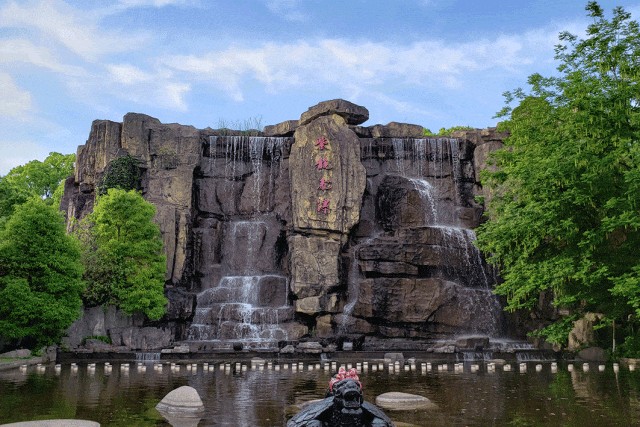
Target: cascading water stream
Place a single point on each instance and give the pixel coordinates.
(248, 301)
(425, 163)
(255, 150)
(353, 285)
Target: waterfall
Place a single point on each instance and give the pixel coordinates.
(246, 305)
(428, 164)
(147, 357)
(425, 189)
(353, 285)
(241, 308)
(256, 151)
(475, 269)
(251, 232)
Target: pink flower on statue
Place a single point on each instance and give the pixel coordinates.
(343, 375)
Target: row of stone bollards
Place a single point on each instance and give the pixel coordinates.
(522, 367)
(365, 366)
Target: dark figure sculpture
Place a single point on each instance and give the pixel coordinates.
(343, 406)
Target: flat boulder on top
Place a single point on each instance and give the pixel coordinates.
(397, 130)
(286, 128)
(183, 400)
(398, 401)
(353, 114)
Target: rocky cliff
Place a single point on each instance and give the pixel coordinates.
(315, 227)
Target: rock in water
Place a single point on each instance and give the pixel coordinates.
(399, 401)
(183, 401)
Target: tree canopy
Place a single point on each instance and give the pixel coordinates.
(122, 252)
(34, 178)
(564, 214)
(40, 276)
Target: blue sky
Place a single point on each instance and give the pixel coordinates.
(437, 63)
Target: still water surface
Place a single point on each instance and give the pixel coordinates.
(265, 397)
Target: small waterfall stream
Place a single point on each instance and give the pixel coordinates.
(426, 163)
(353, 286)
(255, 151)
(241, 309)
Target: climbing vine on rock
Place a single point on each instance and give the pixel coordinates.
(123, 173)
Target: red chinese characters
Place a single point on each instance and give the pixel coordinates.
(325, 184)
(321, 143)
(323, 206)
(322, 163)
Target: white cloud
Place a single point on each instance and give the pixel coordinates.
(78, 32)
(366, 64)
(153, 3)
(127, 81)
(401, 106)
(24, 51)
(128, 74)
(287, 9)
(14, 102)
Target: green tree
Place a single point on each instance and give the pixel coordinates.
(446, 131)
(564, 215)
(34, 178)
(40, 276)
(125, 265)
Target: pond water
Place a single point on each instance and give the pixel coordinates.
(267, 397)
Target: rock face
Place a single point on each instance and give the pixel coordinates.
(353, 114)
(582, 334)
(322, 227)
(125, 332)
(327, 178)
(327, 185)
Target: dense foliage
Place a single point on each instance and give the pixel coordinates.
(122, 253)
(35, 178)
(121, 172)
(40, 276)
(564, 214)
(446, 131)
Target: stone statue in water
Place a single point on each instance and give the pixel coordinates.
(343, 406)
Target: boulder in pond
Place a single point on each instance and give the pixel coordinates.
(398, 401)
(184, 400)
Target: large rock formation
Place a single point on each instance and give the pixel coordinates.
(323, 226)
(327, 185)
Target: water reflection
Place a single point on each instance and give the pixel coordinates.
(265, 397)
